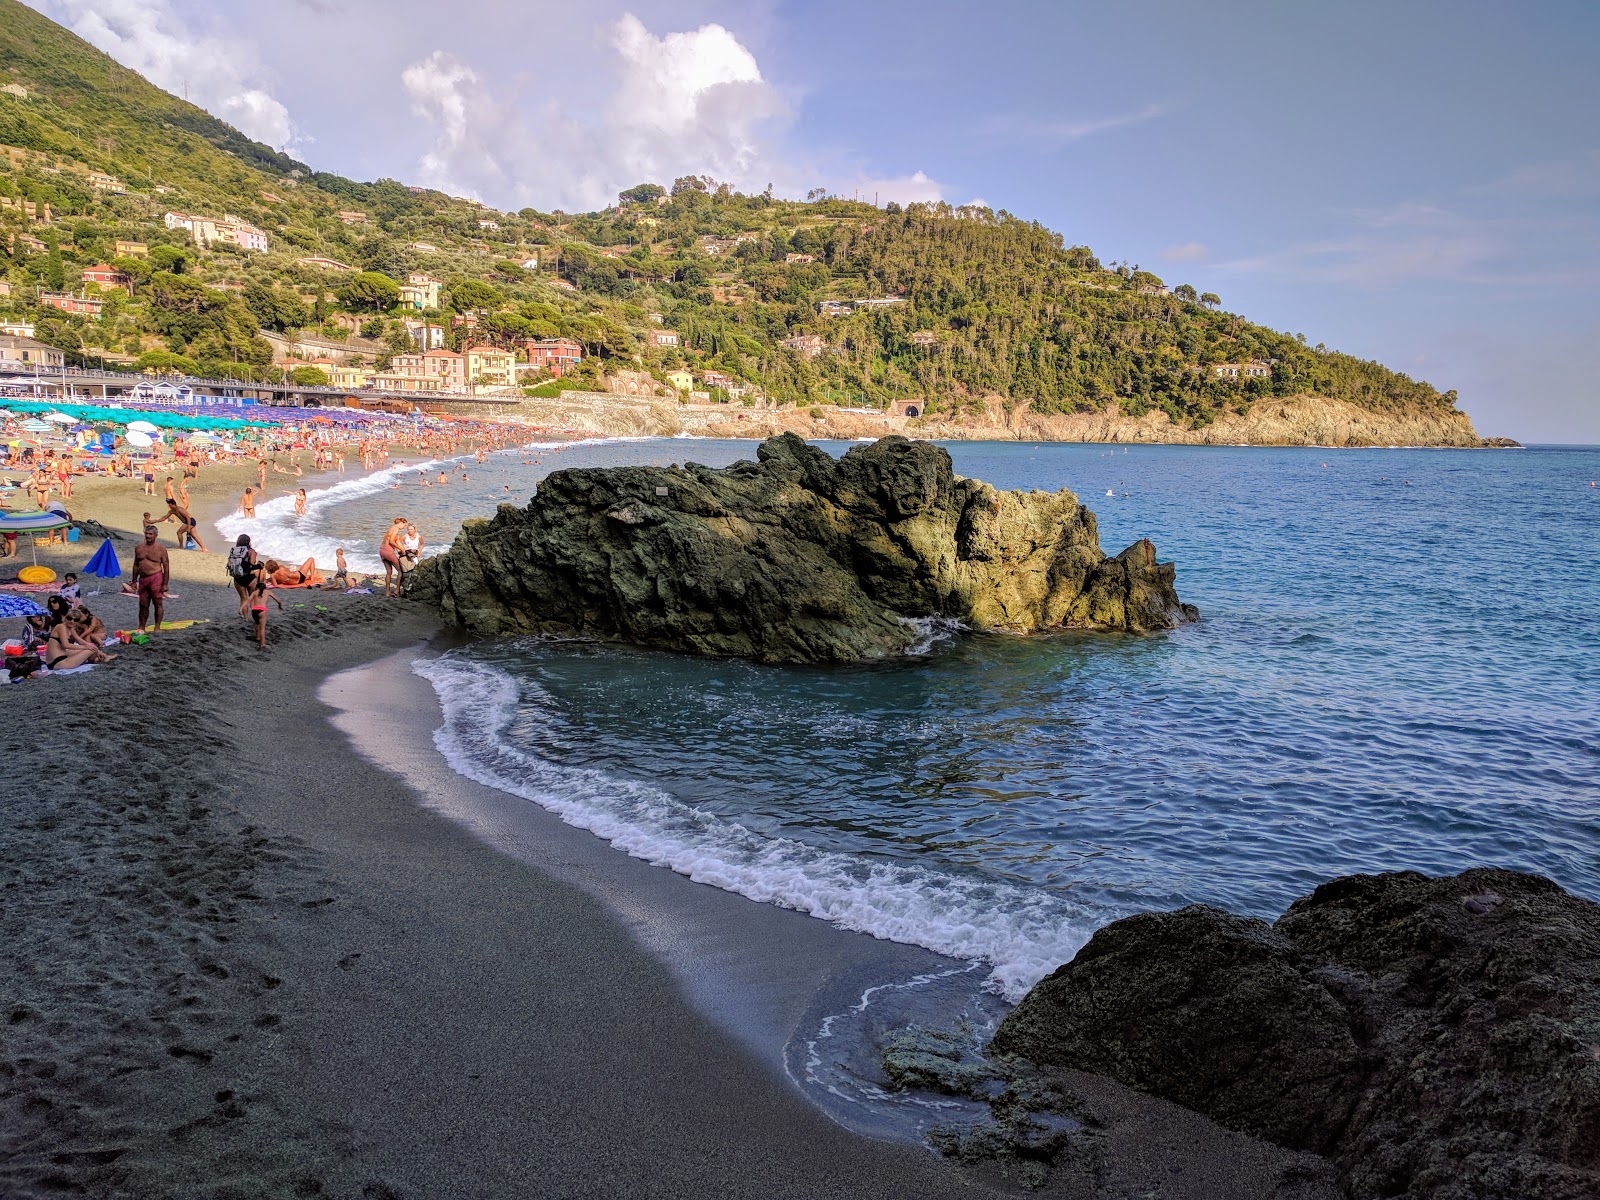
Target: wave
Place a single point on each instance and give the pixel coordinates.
(1021, 933)
(276, 531)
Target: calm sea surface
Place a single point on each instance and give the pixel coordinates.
(1398, 666)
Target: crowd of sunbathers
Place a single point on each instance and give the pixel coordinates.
(65, 636)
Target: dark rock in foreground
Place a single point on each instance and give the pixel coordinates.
(795, 558)
(1434, 1038)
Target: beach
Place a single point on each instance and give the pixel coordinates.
(248, 960)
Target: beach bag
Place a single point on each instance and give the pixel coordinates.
(239, 565)
(20, 666)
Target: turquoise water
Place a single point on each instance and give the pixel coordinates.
(1396, 668)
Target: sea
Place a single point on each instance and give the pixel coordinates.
(1397, 667)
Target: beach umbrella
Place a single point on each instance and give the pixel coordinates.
(104, 564)
(18, 606)
(31, 523)
(139, 438)
(59, 418)
(142, 427)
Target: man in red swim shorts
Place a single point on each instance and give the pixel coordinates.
(151, 568)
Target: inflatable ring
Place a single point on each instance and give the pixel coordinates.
(36, 575)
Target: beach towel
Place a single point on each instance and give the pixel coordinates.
(30, 587)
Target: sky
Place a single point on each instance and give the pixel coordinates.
(1416, 183)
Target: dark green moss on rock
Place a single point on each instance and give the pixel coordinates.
(794, 558)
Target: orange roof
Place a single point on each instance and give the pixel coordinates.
(480, 349)
(440, 354)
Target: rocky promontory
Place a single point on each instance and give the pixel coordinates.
(1431, 1037)
(796, 557)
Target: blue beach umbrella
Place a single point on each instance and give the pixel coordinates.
(18, 606)
(104, 564)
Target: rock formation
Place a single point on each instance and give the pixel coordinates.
(794, 558)
(1433, 1038)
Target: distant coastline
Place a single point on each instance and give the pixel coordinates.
(1307, 421)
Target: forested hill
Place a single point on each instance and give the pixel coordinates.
(823, 301)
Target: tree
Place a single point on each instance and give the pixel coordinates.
(164, 362)
(309, 377)
(643, 193)
(1210, 299)
(173, 259)
(369, 289)
(466, 294)
(1186, 292)
(276, 308)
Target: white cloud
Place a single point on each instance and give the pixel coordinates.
(1188, 252)
(905, 189)
(218, 73)
(1058, 131)
(1382, 248)
(685, 103)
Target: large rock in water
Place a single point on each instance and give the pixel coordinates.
(1434, 1038)
(794, 558)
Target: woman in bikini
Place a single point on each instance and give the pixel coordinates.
(67, 649)
(300, 503)
(305, 574)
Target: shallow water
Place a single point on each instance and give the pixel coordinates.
(1395, 670)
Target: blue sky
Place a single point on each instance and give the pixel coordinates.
(1415, 183)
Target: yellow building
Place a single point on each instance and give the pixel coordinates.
(680, 379)
(347, 376)
(489, 366)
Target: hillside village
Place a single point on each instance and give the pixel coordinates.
(138, 232)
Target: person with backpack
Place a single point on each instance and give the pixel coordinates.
(243, 569)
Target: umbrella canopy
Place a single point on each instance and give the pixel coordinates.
(138, 437)
(36, 426)
(33, 522)
(18, 606)
(59, 418)
(104, 564)
(141, 427)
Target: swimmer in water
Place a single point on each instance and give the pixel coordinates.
(1108, 491)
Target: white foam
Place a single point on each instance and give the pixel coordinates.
(276, 531)
(932, 631)
(1022, 933)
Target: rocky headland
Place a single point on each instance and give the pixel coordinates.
(796, 557)
(1292, 421)
(1431, 1038)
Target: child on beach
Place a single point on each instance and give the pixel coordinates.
(258, 595)
(341, 573)
(69, 589)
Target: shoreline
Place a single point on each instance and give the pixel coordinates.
(246, 961)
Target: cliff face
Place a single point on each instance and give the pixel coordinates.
(1432, 1037)
(794, 558)
(1300, 421)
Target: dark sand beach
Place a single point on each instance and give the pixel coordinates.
(246, 960)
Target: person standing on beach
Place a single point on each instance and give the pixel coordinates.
(151, 567)
(169, 492)
(300, 503)
(389, 552)
(188, 527)
(248, 502)
(258, 596)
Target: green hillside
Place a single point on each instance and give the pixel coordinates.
(960, 304)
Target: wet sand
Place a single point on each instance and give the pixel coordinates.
(244, 960)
